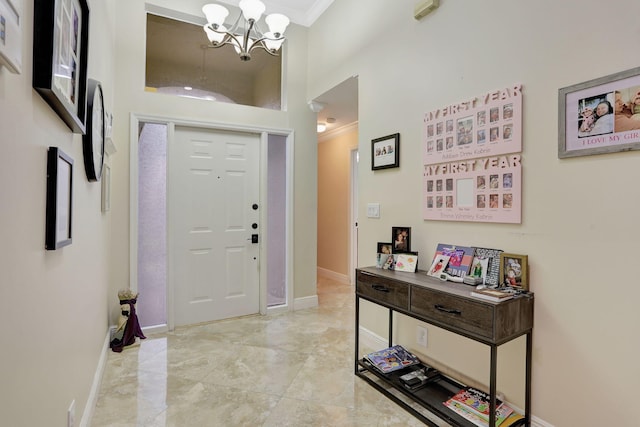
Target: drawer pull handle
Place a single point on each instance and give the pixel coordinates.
(447, 310)
(380, 288)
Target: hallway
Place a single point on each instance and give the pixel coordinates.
(292, 369)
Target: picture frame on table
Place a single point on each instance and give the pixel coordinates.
(59, 199)
(514, 271)
(401, 239)
(600, 116)
(385, 248)
(489, 261)
(385, 152)
(60, 52)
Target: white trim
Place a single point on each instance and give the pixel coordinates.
(92, 400)
(371, 339)
(330, 134)
(171, 123)
(305, 302)
(353, 214)
(338, 277)
(155, 329)
(278, 309)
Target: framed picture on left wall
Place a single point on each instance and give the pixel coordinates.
(60, 51)
(59, 199)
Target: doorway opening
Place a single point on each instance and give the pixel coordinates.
(151, 246)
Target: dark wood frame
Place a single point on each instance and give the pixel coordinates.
(394, 231)
(381, 244)
(53, 240)
(392, 139)
(71, 111)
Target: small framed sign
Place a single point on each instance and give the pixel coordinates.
(385, 152)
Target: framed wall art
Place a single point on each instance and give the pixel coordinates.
(11, 35)
(60, 50)
(514, 271)
(106, 188)
(59, 199)
(385, 152)
(600, 116)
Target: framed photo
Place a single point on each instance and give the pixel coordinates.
(600, 116)
(385, 248)
(11, 35)
(401, 238)
(385, 152)
(60, 51)
(106, 188)
(59, 199)
(514, 271)
(460, 259)
(486, 264)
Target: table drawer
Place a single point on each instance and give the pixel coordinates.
(453, 312)
(383, 290)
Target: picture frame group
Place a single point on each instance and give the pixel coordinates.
(397, 254)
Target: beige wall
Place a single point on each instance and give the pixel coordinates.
(575, 212)
(57, 305)
(53, 304)
(334, 200)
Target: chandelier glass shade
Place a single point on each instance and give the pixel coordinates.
(244, 35)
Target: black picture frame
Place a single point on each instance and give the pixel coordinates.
(60, 51)
(385, 247)
(385, 152)
(401, 239)
(59, 199)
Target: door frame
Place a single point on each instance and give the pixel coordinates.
(171, 123)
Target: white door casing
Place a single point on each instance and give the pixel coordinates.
(214, 184)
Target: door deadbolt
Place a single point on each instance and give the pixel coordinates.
(254, 225)
(255, 206)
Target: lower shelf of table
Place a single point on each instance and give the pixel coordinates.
(425, 403)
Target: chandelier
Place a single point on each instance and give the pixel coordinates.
(244, 35)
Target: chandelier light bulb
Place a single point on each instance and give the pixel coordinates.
(277, 23)
(214, 37)
(252, 9)
(215, 13)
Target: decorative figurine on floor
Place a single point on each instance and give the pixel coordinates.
(128, 327)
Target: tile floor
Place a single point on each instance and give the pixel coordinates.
(293, 369)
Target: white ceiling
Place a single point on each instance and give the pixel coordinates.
(302, 12)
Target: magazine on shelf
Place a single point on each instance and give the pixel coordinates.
(391, 359)
(502, 413)
(495, 295)
(476, 402)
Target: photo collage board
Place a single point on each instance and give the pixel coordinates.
(472, 161)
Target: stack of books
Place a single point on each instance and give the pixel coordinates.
(392, 359)
(495, 295)
(473, 405)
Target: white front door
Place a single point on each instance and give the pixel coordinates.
(214, 211)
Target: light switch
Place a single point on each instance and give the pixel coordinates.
(373, 210)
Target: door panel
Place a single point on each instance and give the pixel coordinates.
(214, 180)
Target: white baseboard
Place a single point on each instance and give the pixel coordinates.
(305, 302)
(338, 277)
(90, 407)
(374, 341)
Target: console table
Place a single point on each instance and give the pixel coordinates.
(449, 306)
